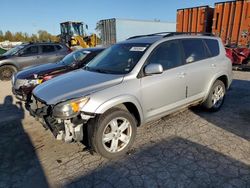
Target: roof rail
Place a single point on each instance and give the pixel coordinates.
(169, 34)
(148, 35)
(188, 33)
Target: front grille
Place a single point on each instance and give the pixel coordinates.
(42, 110)
(53, 125)
(38, 107)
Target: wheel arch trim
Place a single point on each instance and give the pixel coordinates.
(120, 100)
(210, 85)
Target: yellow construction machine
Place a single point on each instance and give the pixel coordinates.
(73, 34)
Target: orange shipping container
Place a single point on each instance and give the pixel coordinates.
(231, 22)
(195, 19)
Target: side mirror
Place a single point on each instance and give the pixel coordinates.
(153, 69)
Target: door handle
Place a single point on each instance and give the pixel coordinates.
(213, 65)
(182, 75)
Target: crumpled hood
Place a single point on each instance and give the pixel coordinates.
(40, 70)
(74, 84)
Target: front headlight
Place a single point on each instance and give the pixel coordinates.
(24, 82)
(69, 108)
(33, 82)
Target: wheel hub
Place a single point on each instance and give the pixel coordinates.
(116, 135)
(217, 96)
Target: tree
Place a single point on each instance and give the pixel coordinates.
(26, 37)
(43, 35)
(1, 36)
(8, 36)
(33, 38)
(18, 36)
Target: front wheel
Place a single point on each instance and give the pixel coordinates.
(6, 72)
(216, 96)
(112, 133)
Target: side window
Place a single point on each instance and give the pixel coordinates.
(167, 54)
(213, 47)
(48, 48)
(32, 50)
(194, 50)
(58, 47)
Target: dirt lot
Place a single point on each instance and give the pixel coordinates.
(190, 149)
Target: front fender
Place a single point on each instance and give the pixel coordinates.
(9, 63)
(120, 100)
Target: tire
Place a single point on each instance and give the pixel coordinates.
(107, 137)
(216, 96)
(6, 72)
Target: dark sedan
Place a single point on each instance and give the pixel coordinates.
(26, 80)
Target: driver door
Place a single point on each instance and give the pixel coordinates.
(28, 57)
(163, 92)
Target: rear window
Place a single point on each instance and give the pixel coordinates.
(48, 48)
(213, 47)
(194, 50)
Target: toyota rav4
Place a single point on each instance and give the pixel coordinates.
(131, 83)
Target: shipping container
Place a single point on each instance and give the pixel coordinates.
(231, 22)
(115, 30)
(195, 19)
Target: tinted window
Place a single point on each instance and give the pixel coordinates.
(194, 50)
(213, 46)
(30, 50)
(167, 54)
(58, 47)
(47, 48)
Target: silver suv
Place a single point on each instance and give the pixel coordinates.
(131, 83)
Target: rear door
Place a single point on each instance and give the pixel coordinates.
(163, 92)
(200, 65)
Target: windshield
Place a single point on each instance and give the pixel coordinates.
(118, 59)
(14, 50)
(72, 28)
(74, 57)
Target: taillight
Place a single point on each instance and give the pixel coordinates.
(229, 54)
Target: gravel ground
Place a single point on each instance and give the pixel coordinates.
(192, 148)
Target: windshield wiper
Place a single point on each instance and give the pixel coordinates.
(97, 70)
(101, 71)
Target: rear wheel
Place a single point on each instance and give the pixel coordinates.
(6, 72)
(248, 62)
(112, 133)
(216, 96)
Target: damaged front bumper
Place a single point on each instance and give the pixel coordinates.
(68, 130)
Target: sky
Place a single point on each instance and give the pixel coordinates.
(33, 15)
